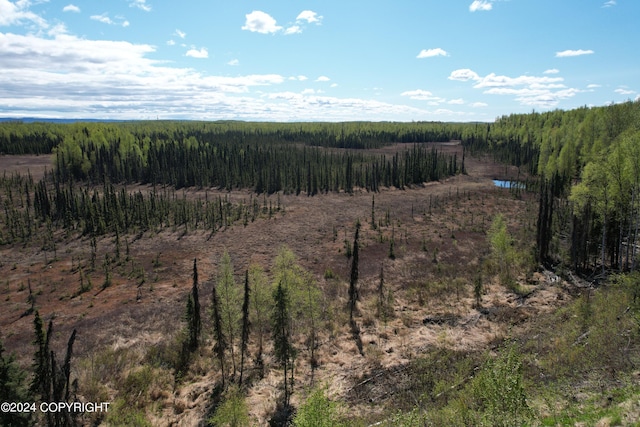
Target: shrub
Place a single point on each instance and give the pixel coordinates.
(318, 411)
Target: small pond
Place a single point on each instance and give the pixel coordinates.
(508, 184)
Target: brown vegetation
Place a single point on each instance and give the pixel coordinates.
(438, 232)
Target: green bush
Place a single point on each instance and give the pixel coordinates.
(497, 392)
(318, 411)
(121, 414)
(233, 411)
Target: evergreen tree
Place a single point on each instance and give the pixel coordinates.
(353, 280)
(281, 333)
(245, 324)
(41, 382)
(218, 332)
(193, 318)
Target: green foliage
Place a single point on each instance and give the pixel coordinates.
(230, 304)
(135, 387)
(413, 418)
(266, 157)
(597, 334)
(12, 389)
(121, 414)
(261, 306)
(318, 411)
(233, 411)
(498, 392)
(329, 274)
(502, 251)
(283, 348)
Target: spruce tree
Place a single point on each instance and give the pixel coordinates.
(221, 342)
(281, 334)
(194, 320)
(40, 384)
(245, 324)
(353, 290)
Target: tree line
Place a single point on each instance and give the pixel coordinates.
(40, 137)
(278, 166)
(36, 209)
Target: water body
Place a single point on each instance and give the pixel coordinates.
(508, 184)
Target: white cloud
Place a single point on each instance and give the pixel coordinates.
(140, 4)
(104, 18)
(458, 101)
(480, 5)
(71, 8)
(479, 104)
(334, 85)
(539, 91)
(294, 29)
(309, 16)
(492, 80)
(323, 79)
(637, 98)
(551, 71)
(609, 3)
(66, 76)
(463, 75)
(428, 53)
(15, 13)
(171, 42)
(260, 22)
(57, 30)
(179, 33)
(593, 86)
(198, 53)
(569, 53)
(423, 95)
(300, 106)
(233, 62)
(623, 91)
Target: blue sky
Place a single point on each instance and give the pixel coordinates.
(330, 60)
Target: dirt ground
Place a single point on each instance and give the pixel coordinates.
(439, 234)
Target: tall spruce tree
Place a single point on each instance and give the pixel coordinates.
(353, 280)
(281, 334)
(245, 324)
(221, 341)
(195, 324)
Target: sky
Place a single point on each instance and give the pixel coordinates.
(311, 60)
